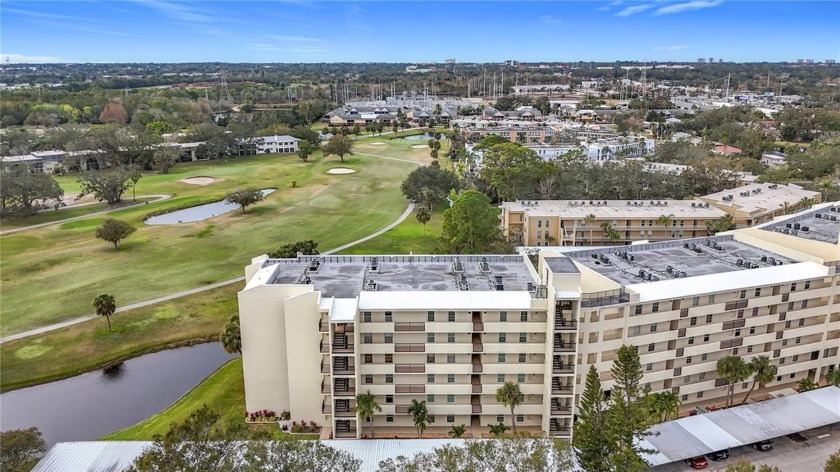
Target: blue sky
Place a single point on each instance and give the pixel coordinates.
(402, 31)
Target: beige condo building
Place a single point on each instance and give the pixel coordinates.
(450, 330)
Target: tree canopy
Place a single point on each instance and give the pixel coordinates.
(20, 449)
(427, 181)
(20, 189)
(114, 231)
(108, 185)
(339, 145)
(290, 250)
(245, 197)
(471, 226)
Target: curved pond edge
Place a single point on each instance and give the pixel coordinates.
(192, 205)
(110, 363)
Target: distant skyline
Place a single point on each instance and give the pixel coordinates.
(431, 31)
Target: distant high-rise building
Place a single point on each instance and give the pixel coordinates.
(701, 60)
(720, 61)
(711, 59)
(800, 61)
(450, 61)
(809, 61)
(511, 62)
(830, 62)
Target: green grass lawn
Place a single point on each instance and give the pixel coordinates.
(408, 236)
(66, 213)
(53, 273)
(87, 346)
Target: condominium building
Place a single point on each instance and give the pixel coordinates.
(599, 222)
(450, 330)
(758, 203)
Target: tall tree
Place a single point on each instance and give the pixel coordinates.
(513, 170)
(763, 372)
(437, 180)
(628, 418)
(419, 415)
(231, 337)
(664, 405)
(471, 226)
(589, 220)
(305, 149)
(592, 445)
(366, 406)
(105, 305)
(734, 370)
(423, 216)
(20, 449)
(105, 185)
(339, 145)
(510, 395)
(245, 197)
(20, 189)
(806, 384)
(114, 231)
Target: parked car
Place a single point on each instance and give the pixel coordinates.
(764, 446)
(697, 462)
(719, 455)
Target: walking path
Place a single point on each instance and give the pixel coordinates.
(159, 198)
(389, 158)
(64, 324)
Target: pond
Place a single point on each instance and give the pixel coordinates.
(91, 405)
(422, 137)
(198, 213)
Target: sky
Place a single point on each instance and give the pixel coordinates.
(407, 31)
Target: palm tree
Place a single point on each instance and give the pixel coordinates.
(762, 371)
(665, 405)
(807, 384)
(366, 406)
(105, 305)
(833, 377)
(498, 430)
(590, 218)
(457, 431)
(231, 337)
(420, 415)
(510, 395)
(734, 370)
(609, 232)
(665, 220)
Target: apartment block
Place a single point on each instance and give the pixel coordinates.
(450, 330)
(588, 222)
(759, 203)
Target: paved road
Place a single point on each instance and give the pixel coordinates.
(64, 324)
(787, 455)
(159, 198)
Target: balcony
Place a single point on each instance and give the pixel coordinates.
(325, 368)
(563, 324)
(401, 409)
(324, 326)
(563, 368)
(478, 327)
(325, 347)
(344, 413)
(325, 387)
(557, 409)
(564, 347)
(477, 368)
(402, 326)
(561, 389)
(478, 347)
(344, 392)
(326, 409)
(342, 348)
(476, 388)
(406, 347)
(344, 370)
(476, 409)
(410, 388)
(410, 368)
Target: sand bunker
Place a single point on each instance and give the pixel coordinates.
(200, 180)
(341, 170)
(377, 144)
(420, 146)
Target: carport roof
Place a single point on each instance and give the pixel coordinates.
(741, 425)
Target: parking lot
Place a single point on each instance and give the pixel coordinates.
(788, 455)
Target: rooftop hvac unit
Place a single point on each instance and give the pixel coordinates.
(632, 258)
(833, 218)
(805, 229)
(796, 226)
(739, 262)
(763, 258)
(693, 205)
(818, 215)
(641, 274)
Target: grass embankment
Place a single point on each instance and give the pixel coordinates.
(89, 345)
(223, 391)
(53, 273)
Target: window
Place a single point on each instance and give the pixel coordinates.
(430, 337)
(693, 321)
(807, 284)
(502, 337)
(691, 340)
(702, 375)
(451, 316)
(655, 307)
(450, 338)
(704, 356)
(638, 309)
(430, 398)
(523, 316)
(520, 418)
(389, 358)
(389, 399)
(368, 358)
(450, 378)
(450, 398)
(539, 234)
(755, 311)
(735, 352)
(366, 317)
(389, 378)
(782, 360)
(450, 418)
(758, 292)
(502, 358)
(653, 328)
(450, 358)
(752, 330)
(684, 397)
(430, 378)
(784, 342)
(686, 379)
(500, 378)
(804, 304)
(743, 294)
(708, 318)
(500, 418)
(388, 317)
(695, 301)
(801, 321)
(520, 378)
(522, 358)
(389, 418)
(706, 338)
(635, 330)
(793, 287)
(368, 379)
(651, 347)
(430, 358)
(649, 367)
(389, 338)
(798, 339)
(539, 223)
(546, 223)
(502, 316)
(523, 337)
(368, 338)
(796, 358)
(430, 316)
(699, 394)
(749, 348)
(688, 360)
(740, 314)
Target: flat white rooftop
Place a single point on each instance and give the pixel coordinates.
(760, 198)
(821, 224)
(618, 209)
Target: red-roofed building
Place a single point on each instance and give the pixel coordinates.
(724, 149)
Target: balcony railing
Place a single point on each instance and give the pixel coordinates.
(478, 326)
(402, 326)
(325, 347)
(343, 348)
(560, 430)
(325, 368)
(561, 389)
(344, 413)
(478, 347)
(324, 326)
(401, 408)
(477, 368)
(326, 409)
(344, 370)
(410, 368)
(476, 388)
(476, 408)
(406, 347)
(561, 410)
(410, 388)
(344, 392)
(325, 387)
(346, 433)
(564, 347)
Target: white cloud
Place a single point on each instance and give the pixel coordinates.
(687, 6)
(635, 9)
(179, 11)
(670, 48)
(550, 20)
(24, 59)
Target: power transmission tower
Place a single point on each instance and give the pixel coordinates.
(224, 93)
